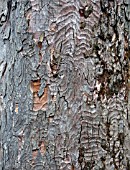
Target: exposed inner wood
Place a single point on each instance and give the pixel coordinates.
(39, 103)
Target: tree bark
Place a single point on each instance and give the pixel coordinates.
(64, 85)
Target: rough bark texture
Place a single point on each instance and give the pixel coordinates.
(64, 70)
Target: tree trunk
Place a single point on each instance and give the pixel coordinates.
(64, 89)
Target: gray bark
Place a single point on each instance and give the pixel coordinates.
(64, 85)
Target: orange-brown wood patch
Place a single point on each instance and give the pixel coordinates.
(39, 103)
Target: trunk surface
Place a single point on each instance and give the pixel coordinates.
(64, 89)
